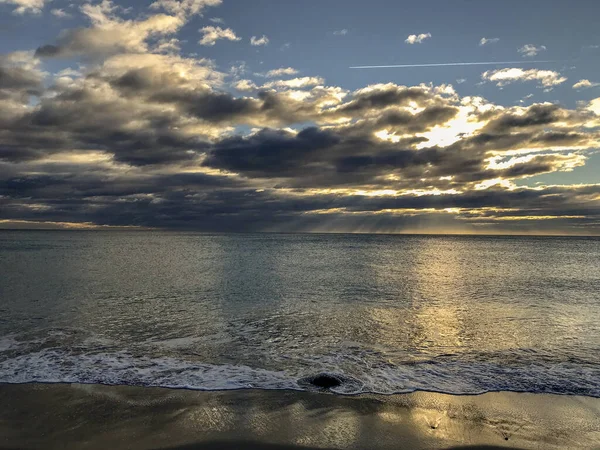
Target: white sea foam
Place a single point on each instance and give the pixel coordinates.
(8, 343)
(55, 366)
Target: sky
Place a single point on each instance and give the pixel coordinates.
(269, 115)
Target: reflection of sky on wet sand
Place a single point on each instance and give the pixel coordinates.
(161, 418)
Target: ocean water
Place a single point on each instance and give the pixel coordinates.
(385, 314)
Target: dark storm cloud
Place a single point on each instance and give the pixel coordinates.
(248, 210)
(399, 159)
(79, 184)
(275, 153)
(535, 116)
(314, 158)
(47, 51)
(416, 123)
(81, 119)
(384, 97)
(19, 78)
(214, 107)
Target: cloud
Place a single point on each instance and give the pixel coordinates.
(135, 134)
(585, 84)
(487, 41)
(60, 13)
(281, 72)
(110, 34)
(26, 6)
(503, 77)
(239, 69)
(245, 85)
(185, 7)
(294, 83)
(594, 106)
(417, 39)
(257, 41)
(530, 50)
(527, 97)
(217, 20)
(212, 34)
(166, 45)
(342, 32)
(21, 82)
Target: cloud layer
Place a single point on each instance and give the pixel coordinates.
(141, 135)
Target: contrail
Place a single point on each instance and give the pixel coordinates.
(488, 63)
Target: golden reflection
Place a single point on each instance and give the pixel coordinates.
(213, 416)
(439, 273)
(390, 415)
(339, 429)
(447, 312)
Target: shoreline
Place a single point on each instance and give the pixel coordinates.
(90, 416)
(315, 390)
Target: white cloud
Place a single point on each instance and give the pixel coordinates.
(295, 83)
(486, 41)
(239, 69)
(184, 7)
(167, 46)
(527, 97)
(110, 34)
(280, 72)
(530, 50)
(26, 6)
(584, 84)
(502, 77)
(342, 32)
(594, 106)
(213, 34)
(101, 13)
(417, 39)
(257, 41)
(460, 80)
(217, 20)
(60, 13)
(245, 85)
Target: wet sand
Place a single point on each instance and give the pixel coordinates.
(122, 417)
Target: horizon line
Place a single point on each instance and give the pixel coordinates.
(371, 233)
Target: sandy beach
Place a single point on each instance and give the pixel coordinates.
(123, 417)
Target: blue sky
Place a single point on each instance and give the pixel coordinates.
(376, 32)
(63, 46)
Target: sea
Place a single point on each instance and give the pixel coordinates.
(379, 313)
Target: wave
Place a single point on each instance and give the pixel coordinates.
(451, 377)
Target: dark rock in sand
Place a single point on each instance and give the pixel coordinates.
(326, 381)
(322, 381)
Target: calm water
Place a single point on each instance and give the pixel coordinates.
(390, 313)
